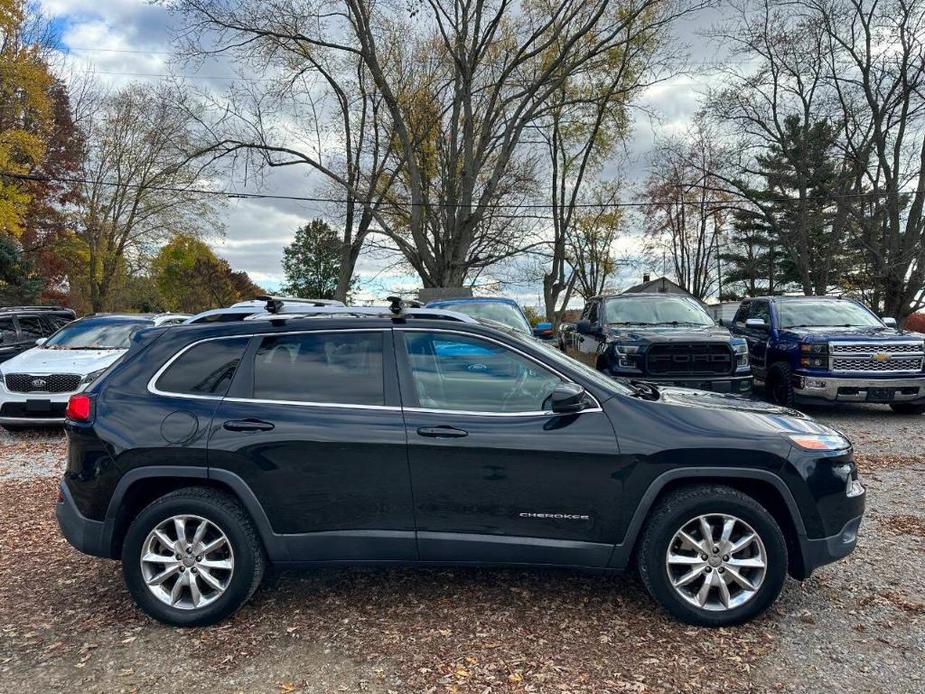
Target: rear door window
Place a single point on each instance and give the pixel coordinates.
(204, 369)
(31, 327)
(342, 368)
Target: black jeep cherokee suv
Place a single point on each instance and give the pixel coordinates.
(210, 450)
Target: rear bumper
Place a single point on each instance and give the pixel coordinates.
(862, 389)
(825, 550)
(83, 534)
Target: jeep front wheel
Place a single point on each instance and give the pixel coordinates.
(713, 556)
(192, 557)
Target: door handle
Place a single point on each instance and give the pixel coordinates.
(443, 432)
(248, 425)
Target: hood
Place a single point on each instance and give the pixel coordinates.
(824, 334)
(760, 415)
(66, 361)
(668, 333)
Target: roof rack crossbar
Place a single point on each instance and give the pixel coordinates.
(363, 312)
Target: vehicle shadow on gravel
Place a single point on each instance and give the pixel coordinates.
(68, 619)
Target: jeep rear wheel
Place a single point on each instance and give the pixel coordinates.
(779, 385)
(192, 557)
(712, 556)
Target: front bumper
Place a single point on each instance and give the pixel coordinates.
(860, 389)
(825, 550)
(716, 384)
(83, 534)
(32, 409)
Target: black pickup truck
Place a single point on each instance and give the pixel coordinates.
(661, 338)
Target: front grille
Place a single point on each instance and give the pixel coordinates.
(895, 364)
(876, 357)
(690, 358)
(53, 383)
(867, 348)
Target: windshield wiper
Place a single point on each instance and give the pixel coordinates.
(642, 389)
(679, 322)
(631, 322)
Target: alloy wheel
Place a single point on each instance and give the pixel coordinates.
(716, 562)
(187, 562)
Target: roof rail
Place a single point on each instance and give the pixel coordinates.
(34, 308)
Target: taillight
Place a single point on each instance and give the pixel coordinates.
(79, 408)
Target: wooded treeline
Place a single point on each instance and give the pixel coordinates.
(479, 139)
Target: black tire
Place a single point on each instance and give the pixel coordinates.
(779, 385)
(673, 513)
(908, 407)
(226, 514)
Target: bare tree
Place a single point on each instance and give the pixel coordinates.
(876, 68)
(587, 117)
(591, 243)
(779, 111)
(138, 186)
(475, 74)
(686, 210)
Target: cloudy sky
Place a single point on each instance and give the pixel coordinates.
(130, 40)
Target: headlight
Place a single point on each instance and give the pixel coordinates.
(820, 442)
(815, 355)
(625, 354)
(741, 352)
(92, 376)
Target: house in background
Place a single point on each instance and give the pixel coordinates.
(659, 285)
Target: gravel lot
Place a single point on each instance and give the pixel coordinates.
(66, 621)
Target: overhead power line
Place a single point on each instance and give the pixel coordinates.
(305, 198)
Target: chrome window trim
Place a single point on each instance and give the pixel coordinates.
(314, 403)
(152, 388)
(547, 367)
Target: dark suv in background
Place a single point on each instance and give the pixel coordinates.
(420, 436)
(21, 326)
(662, 338)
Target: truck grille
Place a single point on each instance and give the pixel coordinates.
(690, 358)
(876, 357)
(53, 383)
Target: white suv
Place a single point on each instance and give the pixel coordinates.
(36, 384)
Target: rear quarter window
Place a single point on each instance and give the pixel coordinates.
(204, 369)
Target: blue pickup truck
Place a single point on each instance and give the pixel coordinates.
(831, 349)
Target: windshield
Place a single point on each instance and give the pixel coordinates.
(821, 313)
(97, 333)
(665, 310)
(496, 311)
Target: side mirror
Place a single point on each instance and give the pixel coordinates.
(567, 398)
(583, 326)
(889, 322)
(757, 323)
(41, 341)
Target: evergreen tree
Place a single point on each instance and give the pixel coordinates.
(804, 205)
(754, 264)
